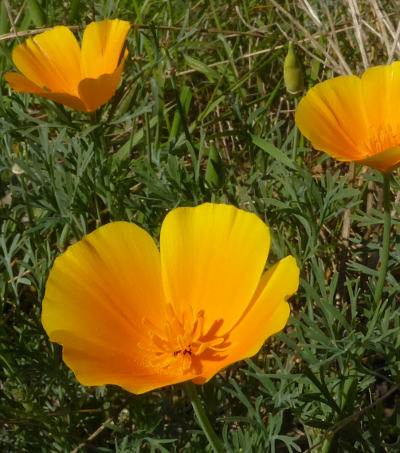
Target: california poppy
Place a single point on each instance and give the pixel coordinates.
(355, 119)
(53, 65)
(131, 315)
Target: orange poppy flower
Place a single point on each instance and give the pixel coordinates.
(53, 65)
(129, 315)
(356, 119)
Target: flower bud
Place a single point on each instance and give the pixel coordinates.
(292, 72)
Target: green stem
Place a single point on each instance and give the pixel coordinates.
(386, 238)
(99, 161)
(327, 445)
(296, 135)
(202, 418)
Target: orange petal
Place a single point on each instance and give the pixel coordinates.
(97, 295)
(266, 316)
(95, 363)
(381, 93)
(332, 116)
(212, 257)
(66, 99)
(50, 60)
(21, 84)
(96, 92)
(385, 161)
(102, 44)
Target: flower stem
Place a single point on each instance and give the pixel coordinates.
(386, 238)
(202, 418)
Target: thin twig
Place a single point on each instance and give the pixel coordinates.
(355, 15)
(250, 27)
(257, 34)
(372, 30)
(335, 428)
(394, 44)
(333, 42)
(99, 430)
(312, 14)
(24, 34)
(19, 14)
(17, 277)
(300, 27)
(382, 30)
(10, 17)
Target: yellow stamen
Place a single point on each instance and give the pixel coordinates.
(180, 340)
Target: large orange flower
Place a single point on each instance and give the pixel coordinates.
(129, 315)
(54, 66)
(356, 119)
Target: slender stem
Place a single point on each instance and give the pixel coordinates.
(99, 161)
(296, 135)
(386, 238)
(327, 445)
(202, 418)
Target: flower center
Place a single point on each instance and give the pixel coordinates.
(381, 138)
(181, 341)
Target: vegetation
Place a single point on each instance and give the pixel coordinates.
(201, 115)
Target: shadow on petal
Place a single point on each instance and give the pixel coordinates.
(96, 92)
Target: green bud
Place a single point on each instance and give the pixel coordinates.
(293, 72)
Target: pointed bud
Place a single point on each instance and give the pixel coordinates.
(293, 72)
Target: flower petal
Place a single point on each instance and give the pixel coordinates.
(102, 44)
(50, 60)
(97, 295)
(21, 84)
(266, 316)
(119, 366)
(66, 99)
(381, 93)
(212, 257)
(96, 92)
(385, 161)
(333, 118)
